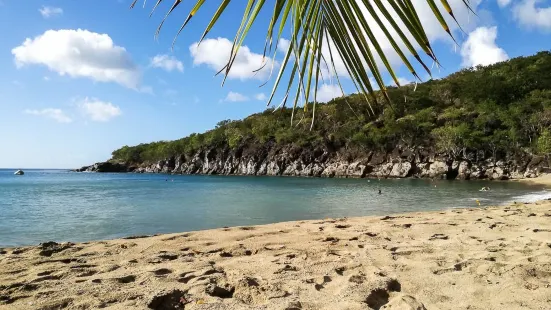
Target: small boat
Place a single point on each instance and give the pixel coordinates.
(19, 172)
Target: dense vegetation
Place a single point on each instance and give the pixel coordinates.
(500, 108)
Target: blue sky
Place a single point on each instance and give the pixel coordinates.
(82, 78)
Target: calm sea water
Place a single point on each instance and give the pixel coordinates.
(57, 205)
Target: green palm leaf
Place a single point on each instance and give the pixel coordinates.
(338, 26)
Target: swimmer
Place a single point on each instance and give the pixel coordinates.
(380, 193)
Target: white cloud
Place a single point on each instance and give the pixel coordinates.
(46, 78)
(261, 97)
(431, 25)
(328, 91)
(146, 90)
(99, 111)
(79, 53)
(48, 11)
(528, 15)
(55, 114)
(235, 97)
(215, 53)
(503, 3)
(170, 92)
(481, 48)
(167, 62)
(283, 45)
(401, 80)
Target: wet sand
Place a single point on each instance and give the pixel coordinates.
(479, 258)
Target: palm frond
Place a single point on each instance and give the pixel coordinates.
(322, 29)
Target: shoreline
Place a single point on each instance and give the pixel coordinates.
(544, 179)
(476, 258)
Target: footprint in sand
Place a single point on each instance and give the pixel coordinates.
(286, 268)
(320, 284)
(46, 278)
(162, 272)
(186, 277)
(126, 279)
(225, 254)
(175, 299)
(45, 273)
(438, 236)
(331, 239)
(87, 273)
(341, 226)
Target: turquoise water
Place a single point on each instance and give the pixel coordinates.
(58, 205)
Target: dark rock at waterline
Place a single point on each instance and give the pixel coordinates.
(324, 161)
(106, 167)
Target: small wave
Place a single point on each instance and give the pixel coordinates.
(533, 197)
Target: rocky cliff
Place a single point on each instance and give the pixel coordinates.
(272, 160)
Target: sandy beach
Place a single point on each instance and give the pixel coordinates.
(479, 258)
(544, 179)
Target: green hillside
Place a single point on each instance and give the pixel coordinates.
(502, 108)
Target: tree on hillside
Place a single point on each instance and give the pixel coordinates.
(322, 30)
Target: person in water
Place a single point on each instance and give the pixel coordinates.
(380, 192)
